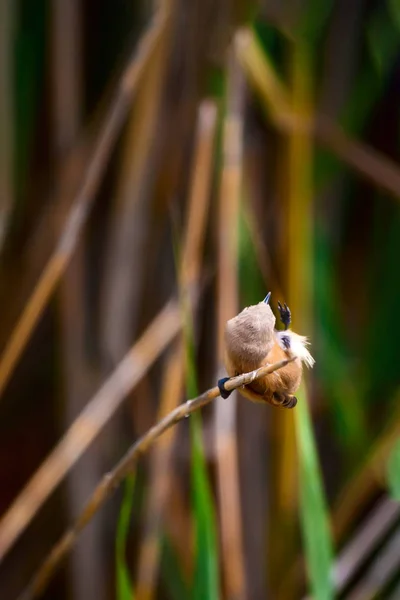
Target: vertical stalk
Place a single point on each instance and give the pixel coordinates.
(226, 411)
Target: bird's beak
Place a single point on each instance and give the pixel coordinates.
(267, 297)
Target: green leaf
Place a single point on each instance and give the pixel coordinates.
(252, 288)
(393, 472)
(171, 573)
(29, 61)
(314, 18)
(313, 508)
(123, 581)
(382, 377)
(394, 11)
(335, 368)
(205, 584)
(383, 40)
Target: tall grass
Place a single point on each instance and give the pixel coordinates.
(272, 206)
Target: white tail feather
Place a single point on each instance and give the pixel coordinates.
(297, 346)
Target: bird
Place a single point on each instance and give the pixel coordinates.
(251, 341)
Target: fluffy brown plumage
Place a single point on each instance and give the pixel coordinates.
(251, 341)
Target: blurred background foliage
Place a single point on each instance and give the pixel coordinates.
(251, 145)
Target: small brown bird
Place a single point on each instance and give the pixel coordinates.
(251, 342)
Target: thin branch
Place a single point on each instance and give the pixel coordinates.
(79, 211)
(162, 330)
(113, 479)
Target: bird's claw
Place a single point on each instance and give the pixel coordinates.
(285, 314)
(290, 402)
(284, 400)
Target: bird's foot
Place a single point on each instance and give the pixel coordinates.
(285, 314)
(221, 384)
(285, 400)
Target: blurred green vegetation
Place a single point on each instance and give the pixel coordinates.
(124, 585)
(345, 253)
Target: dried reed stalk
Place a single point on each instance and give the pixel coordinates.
(89, 423)
(374, 166)
(131, 218)
(227, 307)
(86, 568)
(174, 374)
(83, 201)
(113, 479)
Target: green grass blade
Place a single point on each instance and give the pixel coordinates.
(205, 584)
(383, 40)
(171, 573)
(29, 61)
(394, 12)
(383, 43)
(313, 508)
(206, 578)
(335, 369)
(123, 582)
(381, 357)
(252, 287)
(314, 18)
(393, 472)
